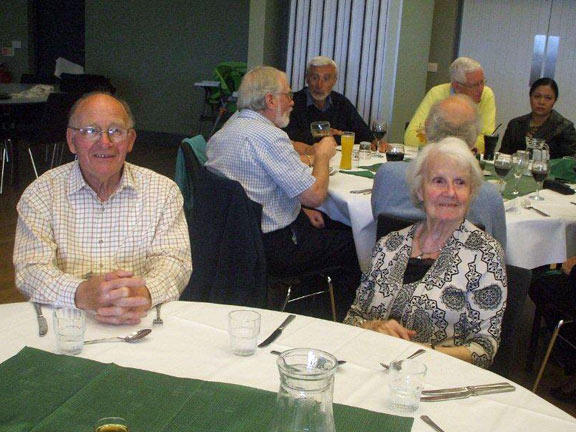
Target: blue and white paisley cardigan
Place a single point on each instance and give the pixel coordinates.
(459, 302)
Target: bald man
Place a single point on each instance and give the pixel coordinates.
(455, 116)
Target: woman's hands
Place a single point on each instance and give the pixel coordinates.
(390, 327)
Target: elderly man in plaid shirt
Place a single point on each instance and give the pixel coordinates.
(253, 150)
(99, 233)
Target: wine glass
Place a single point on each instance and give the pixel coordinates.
(319, 130)
(539, 171)
(502, 166)
(379, 129)
(520, 161)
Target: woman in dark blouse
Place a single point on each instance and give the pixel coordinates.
(543, 122)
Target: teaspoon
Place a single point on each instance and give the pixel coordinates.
(132, 337)
(411, 356)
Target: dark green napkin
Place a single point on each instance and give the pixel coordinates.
(564, 169)
(370, 171)
(48, 392)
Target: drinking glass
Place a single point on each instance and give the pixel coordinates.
(244, 328)
(111, 424)
(320, 129)
(520, 161)
(395, 153)
(379, 129)
(406, 379)
(502, 166)
(539, 171)
(69, 326)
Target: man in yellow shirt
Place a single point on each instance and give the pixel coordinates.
(466, 77)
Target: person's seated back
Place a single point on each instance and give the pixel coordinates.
(455, 116)
(318, 102)
(99, 233)
(467, 78)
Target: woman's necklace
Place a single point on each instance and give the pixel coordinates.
(422, 251)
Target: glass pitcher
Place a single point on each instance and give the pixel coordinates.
(304, 402)
(537, 149)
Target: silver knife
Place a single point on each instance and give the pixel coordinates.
(467, 392)
(276, 332)
(42, 325)
(540, 211)
(478, 388)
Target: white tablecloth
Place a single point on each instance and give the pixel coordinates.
(193, 343)
(532, 240)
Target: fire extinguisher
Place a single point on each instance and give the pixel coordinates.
(5, 76)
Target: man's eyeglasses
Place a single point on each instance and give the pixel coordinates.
(92, 133)
(474, 86)
(289, 94)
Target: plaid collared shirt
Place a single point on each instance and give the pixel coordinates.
(256, 153)
(66, 234)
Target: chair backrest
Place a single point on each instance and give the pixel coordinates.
(225, 235)
(198, 145)
(518, 284)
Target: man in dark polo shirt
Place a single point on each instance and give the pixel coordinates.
(318, 102)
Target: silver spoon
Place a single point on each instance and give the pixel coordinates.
(340, 362)
(132, 337)
(411, 356)
(525, 203)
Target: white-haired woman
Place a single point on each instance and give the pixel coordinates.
(440, 282)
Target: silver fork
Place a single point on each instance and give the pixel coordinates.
(411, 356)
(158, 320)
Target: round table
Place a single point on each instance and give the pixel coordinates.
(193, 343)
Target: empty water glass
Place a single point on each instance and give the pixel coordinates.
(69, 326)
(406, 380)
(520, 161)
(244, 328)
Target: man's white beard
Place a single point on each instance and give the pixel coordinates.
(282, 120)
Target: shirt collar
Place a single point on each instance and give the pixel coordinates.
(77, 182)
(255, 115)
(310, 100)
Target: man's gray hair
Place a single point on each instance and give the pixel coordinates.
(462, 66)
(321, 61)
(122, 102)
(443, 122)
(453, 149)
(256, 84)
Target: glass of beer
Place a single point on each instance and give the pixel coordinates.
(320, 129)
(111, 424)
(347, 141)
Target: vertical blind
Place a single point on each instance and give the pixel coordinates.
(353, 33)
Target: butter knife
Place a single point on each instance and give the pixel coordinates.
(465, 392)
(42, 325)
(276, 332)
(479, 389)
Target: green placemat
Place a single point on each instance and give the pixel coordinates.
(526, 185)
(41, 391)
(367, 174)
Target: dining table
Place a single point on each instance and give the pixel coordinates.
(533, 240)
(157, 380)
